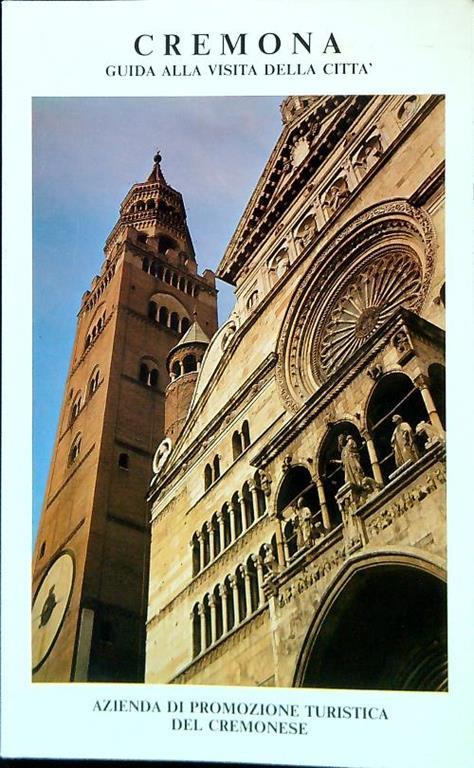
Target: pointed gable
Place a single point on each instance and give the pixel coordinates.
(312, 128)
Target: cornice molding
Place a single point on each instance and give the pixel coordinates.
(325, 395)
(243, 242)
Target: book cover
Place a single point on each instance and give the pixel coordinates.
(242, 509)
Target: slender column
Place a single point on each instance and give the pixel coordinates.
(193, 635)
(202, 560)
(243, 511)
(373, 458)
(322, 503)
(279, 542)
(220, 520)
(248, 590)
(212, 603)
(235, 598)
(232, 521)
(422, 384)
(202, 621)
(223, 593)
(256, 506)
(259, 567)
(210, 530)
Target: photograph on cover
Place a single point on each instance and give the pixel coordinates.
(258, 501)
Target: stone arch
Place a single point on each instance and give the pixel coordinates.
(394, 393)
(380, 624)
(330, 470)
(238, 516)
(207, 476)
(237, 447)
(296, 480)
(168, 306)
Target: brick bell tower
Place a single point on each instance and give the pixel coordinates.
(90, 565)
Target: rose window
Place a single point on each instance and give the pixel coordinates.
(363, 305)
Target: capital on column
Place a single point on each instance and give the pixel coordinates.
(223, 591)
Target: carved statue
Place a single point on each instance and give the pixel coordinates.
(265, 482)
(350, 460)
(369, 152)
(269, 562)
(336, 194)
(229, 331)
(401, 342)
(280, 264)
(304, 531)
(305, 233)
(430, 432)
(403, 442)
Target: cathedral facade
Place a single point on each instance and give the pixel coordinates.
(294, 531)
(298, 513)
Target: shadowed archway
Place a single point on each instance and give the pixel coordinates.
(384, 629)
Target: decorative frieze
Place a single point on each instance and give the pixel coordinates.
(406, 501)
(310, 576)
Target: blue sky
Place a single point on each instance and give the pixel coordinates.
(87, 152)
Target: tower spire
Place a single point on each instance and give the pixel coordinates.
(154, 209)
(156, 174)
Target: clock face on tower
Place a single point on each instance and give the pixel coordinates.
(49, 607)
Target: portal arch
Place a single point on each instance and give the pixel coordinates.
(382, 624)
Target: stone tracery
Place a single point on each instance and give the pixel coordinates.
(363, 305)
(381, 260)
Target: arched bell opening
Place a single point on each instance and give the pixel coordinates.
(385, 629)
(394, 394)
